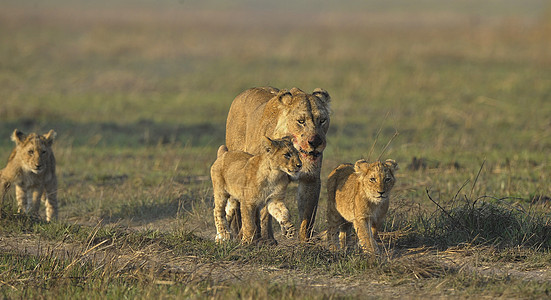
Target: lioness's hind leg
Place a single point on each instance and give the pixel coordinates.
(279, 211)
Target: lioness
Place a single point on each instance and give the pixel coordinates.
(255, 181)
(359, 195)
(31, 168)
(267, 111)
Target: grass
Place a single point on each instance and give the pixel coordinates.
(139, 96)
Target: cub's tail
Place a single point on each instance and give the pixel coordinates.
(221, 150)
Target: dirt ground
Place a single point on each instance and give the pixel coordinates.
(192, 269)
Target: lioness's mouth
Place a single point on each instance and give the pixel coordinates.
(312, 153)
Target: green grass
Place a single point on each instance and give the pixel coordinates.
(139, 96)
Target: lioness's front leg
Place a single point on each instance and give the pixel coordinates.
(307, 198)
(248, 217)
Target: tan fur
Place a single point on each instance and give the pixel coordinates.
(267, 111)
(358, 195)
(31, 168)
(254, 181)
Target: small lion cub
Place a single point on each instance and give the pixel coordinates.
(255, 181)
(31, 168)
(359, 195)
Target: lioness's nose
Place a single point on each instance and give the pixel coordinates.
(315, 141)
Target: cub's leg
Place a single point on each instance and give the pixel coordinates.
(249, 214)
(378, 222)
(345, 237)
(50, 200)
(265, 225)
(4, 186)
(335, 223)
(220, 221)
(308, 196)
(279, 211)
(35, 201)
(365, 235)
(22, 201)
(233, 215)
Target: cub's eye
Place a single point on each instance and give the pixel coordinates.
(31, 152)
(43, 151)
(301, 121)
(388, 179)
(287, 155)
(322, 121)
(373, 179)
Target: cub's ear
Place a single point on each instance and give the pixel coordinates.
(322, 94)
(361, 167)
(49, 137)
(392, 164)
(296, 90)
(267, 143)
(285, 97)
(18, 136)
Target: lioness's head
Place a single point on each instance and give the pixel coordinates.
(34, 151)
(305, 117)
(283, 155)
(376, 179)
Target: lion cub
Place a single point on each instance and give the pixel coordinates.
(255, 181)
(359, 195)
(31, 168)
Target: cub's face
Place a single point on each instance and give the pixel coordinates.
(284, 156)
(376, 179)
(305, 118)
(34, 151)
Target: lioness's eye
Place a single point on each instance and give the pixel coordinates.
(301, 122)
(373, 179)
(287, 155)
(31, 152)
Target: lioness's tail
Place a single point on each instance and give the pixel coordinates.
(221, 150)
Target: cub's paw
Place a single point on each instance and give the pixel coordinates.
(223, 237)
(288, 230)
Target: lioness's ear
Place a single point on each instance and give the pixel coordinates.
(322, 94)
(285, 97)
(361, 167)
(18, 136)
(392, 164)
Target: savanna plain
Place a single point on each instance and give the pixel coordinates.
(458, 93)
